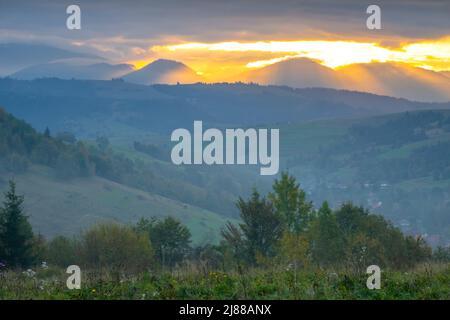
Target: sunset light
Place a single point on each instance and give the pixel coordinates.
(224, 59)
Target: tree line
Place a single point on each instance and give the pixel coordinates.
(282, 228)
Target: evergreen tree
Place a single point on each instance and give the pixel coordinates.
(169, 237)
(261, 226)
(16, 235)
(327, 243)
(290, 204)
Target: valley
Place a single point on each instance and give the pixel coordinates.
(341, 146)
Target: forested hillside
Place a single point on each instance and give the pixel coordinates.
(120, 109)
(71, 184)
(398, 165)
(395, 163)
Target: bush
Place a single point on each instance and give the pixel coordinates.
(62, 251)
(116, 247)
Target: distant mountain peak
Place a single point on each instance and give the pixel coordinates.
(383, 78)
(68, 70)
(17, 56)
(163, 71)
(296, 72)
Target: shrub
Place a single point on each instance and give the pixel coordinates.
(116, 247)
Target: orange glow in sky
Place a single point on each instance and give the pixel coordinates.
(225, 60)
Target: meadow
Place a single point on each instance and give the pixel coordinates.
(427, 281)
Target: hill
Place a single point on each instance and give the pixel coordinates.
(397, 165)
(297, 73)
(385, 153)
(68, 207)
(397, 79)
(65, 70)
(69, 186)
(163, 71)
(16, 56)
(119, 108)
(390, 79)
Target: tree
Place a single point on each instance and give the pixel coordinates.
(234, 240)
(261, 228)
(115, 247)
(327, 245)
(169, 237)
(294, 250)
(16, 234)
(290, 204)
(62, 251)
(442, 254)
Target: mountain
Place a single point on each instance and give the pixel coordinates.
(118, 108)
(397, 79)
(297, 73)
(391, 79)
(64, 70)
(163, 71)
(16, 56)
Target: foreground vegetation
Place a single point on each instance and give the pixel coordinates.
(282, 248)
(430, 281)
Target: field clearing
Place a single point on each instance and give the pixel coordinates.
(425, 282)
(69, 206)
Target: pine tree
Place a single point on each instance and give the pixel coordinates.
(327, 239)
(290, 203)
(170, 238)
(16, 235)
(261, 225)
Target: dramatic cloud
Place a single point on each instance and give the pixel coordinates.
(219, 37)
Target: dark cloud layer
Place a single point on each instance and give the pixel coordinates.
(114, 24)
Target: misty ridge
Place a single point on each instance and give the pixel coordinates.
(384, 153)
(389, 78)
(125, 117)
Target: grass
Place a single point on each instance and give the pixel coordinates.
(426, 282)
(70, 206)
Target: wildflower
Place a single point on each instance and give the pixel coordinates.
(93, 291)
(44, 265)
(30, 273)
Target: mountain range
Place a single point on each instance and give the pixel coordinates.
(392, 79)
(67, 70)
(90, 107)
(17, 56)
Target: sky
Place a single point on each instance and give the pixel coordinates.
(222, 38)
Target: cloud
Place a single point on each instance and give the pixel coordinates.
(114, 27)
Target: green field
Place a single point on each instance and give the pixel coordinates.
(68, 207)
(424, 282)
